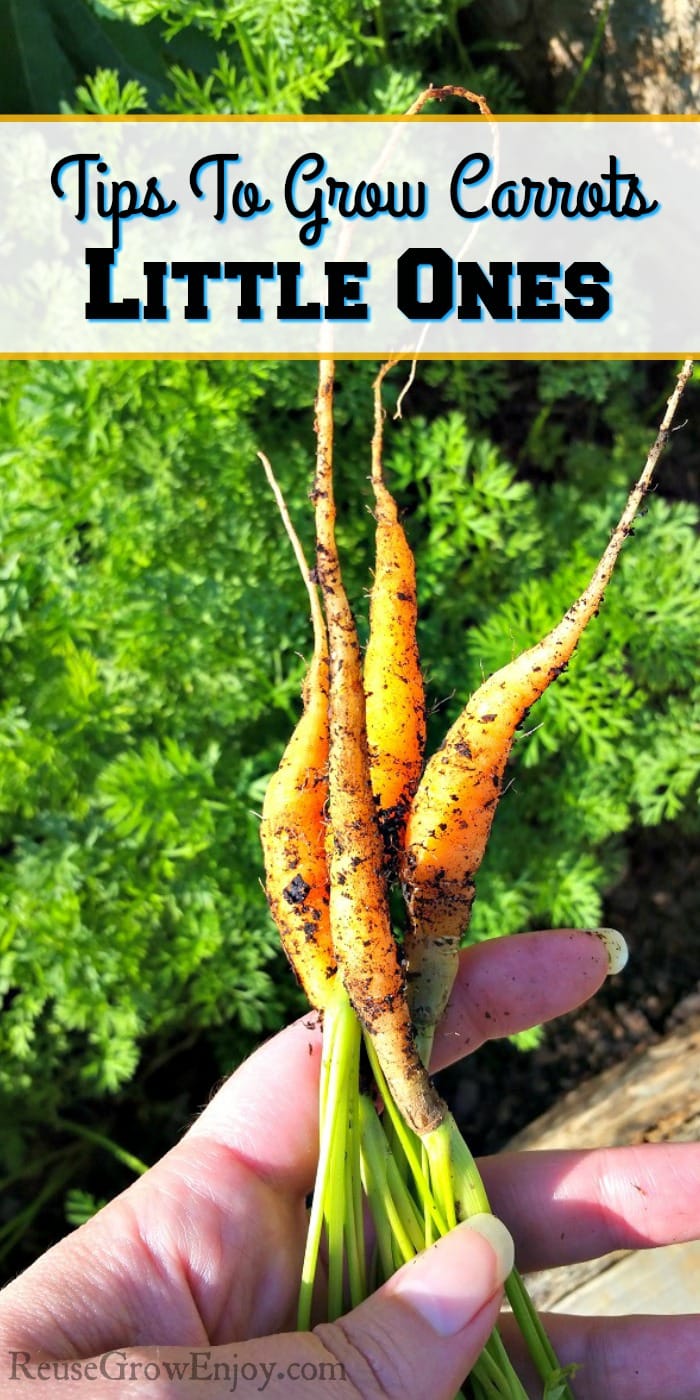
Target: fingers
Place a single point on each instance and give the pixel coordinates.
(236, 1183)
(419, 1335)
(513, 983)
(267, 1111)
(624, 1358)
(423, 1331)
(641, 1358)
(566, 1206)
(185, 1252)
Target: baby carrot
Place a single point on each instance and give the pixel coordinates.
(394, 694)
(292, 830)
(361, 929)
(451, 816)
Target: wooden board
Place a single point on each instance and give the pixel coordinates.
(653, 1097)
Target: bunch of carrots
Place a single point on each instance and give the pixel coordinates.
(352, 810)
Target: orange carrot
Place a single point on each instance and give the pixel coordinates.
(361, 929)
(292, 830)
(394, 693)
(451, 816)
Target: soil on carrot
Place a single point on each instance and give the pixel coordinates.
(502, 1089)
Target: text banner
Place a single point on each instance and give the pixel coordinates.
(443, 236)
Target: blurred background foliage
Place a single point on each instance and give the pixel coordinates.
(119, 56)
(153, 627)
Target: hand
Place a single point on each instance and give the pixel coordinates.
(196, 1266)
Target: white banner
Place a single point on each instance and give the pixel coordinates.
(445, 236)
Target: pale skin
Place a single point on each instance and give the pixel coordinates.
(203, 1253)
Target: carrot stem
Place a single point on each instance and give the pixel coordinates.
(410, 1142)
(471, 1199)
(355, 1242)
(374, 1177)
(341, 1035)
(405, 1204)
(335, 1200)
(399, 1234)
(494, 1372)
(538, 1343)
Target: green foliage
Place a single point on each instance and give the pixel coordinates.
(280, 55)
(81, 1206)
(151, 632)
(103, 95)
(112, 57)
(144, 628)
(556, 1385)
(50, 45)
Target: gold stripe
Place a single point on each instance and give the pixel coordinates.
(379, 355)
(316, 120)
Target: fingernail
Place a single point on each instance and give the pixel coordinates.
(616, 947)
(499, 1238)
(448, 1284)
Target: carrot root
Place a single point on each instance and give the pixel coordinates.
(292, 830)
(363, 940)
(453, 810)
(393, 681)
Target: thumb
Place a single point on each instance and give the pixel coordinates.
(418, 1335)
(421, 1333)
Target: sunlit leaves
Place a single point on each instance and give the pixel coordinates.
(152, 634)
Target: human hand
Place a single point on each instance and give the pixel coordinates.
(197, 1265)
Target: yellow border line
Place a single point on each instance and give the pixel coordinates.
(379, 355)
(233, 118)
